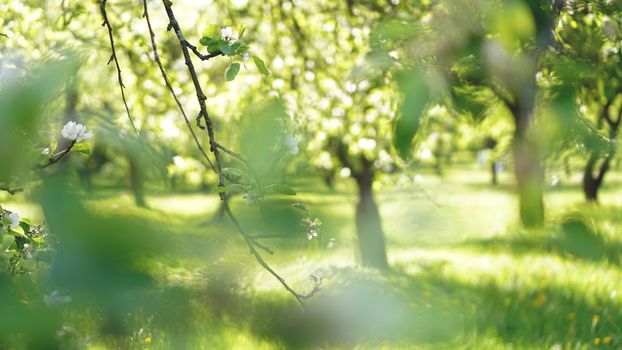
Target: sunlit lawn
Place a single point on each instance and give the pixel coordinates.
(464, 275)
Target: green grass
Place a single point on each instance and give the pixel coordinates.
(464, 274)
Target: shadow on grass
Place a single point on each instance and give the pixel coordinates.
(363, 308)
(579, 234)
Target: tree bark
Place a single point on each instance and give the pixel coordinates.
(527, 170)
(493, 172)
(368, 223)
(593, 180)
(137, 182)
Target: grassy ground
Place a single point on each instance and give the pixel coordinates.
(464, 275)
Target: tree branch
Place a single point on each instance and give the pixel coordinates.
(55, 158)
(11, 191)
(113, 57)
(200, 55)
(215, 149)
(156, 57)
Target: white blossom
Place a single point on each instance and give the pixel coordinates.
(228, 34)
(291, 144)
(76, 132)
(331, 243)
(13, 220)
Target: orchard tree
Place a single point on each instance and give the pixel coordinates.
(591, 35)
(470, 54)
(341, 103)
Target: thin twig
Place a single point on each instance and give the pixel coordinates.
(11, 191)
(156, 57)
(56, 157)
(230, 152)
(173, 24)
(113, 57)
(200, 55)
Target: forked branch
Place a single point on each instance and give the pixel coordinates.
(215, 147)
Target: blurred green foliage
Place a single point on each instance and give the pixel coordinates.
(119, 242)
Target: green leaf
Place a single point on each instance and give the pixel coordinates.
(18, 231)
(416, 95)
(280, 188)
(205, 41)
(261, 66)
(213, 46)
(232, 174)
(82, 147)
(212, 31)
(232, 71)
(231, 187)
(25, 225)
(225, 48)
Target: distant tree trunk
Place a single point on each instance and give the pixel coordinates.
(567, 170)
(527, 169)
(493, 172)
(592, 179)
(368, 222)
(137, 181)
(329, 178)
(369, 232)
(438, 157)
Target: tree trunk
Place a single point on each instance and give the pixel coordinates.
(493, 170)
(137, 182)
(368, 223)
(592, 181)
(527, 171)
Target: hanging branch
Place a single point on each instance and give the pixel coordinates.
(11, 191)
(156, 57)
(215, 149)
(113, 57)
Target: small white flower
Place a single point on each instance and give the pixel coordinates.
(246, 57)
(76, 132)
(311, 234)
(331, 243)
(13, 220)
(228, 34)
(46, 151)
(291, 144)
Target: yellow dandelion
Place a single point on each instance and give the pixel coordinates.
(540, 300)
(596, 341)
(595, 320)
(607, 339)
(148, 340)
